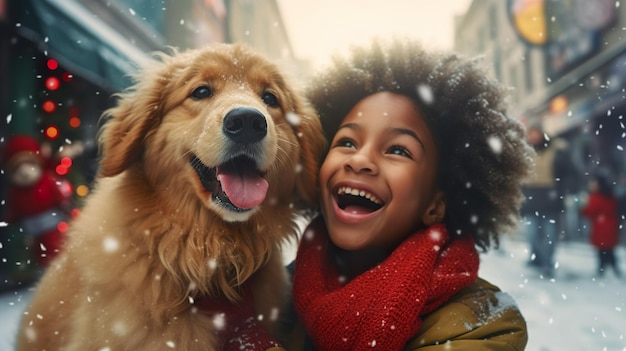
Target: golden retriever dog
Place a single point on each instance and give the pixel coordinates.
(205, 163)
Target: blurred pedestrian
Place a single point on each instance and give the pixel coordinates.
(601, 209)
(619, 189)
(543, 210)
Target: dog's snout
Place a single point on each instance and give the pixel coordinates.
(245, 125)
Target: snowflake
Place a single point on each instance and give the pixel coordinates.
(110, 244)
(293, 119)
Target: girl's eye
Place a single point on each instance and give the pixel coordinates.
(344, 142)
(400, 151)
(202, 92)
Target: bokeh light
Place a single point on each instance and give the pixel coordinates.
(61, 170)
(82, 190)
(52, 64)
(66, 162)
(74, 122)
(53, 83)
(63, 226)
(52, 132)
(49, 106)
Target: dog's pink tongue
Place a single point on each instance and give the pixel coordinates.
(243, 190)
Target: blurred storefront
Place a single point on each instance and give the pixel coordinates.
(62, 61)
(564, 60)
(61, 64)
(584, 67)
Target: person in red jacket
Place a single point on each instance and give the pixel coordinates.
(38, 201)
(601, 209)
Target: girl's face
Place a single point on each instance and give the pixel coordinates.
(378, 181)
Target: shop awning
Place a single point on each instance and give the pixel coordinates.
(80, 41)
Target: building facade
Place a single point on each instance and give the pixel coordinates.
(565, 62)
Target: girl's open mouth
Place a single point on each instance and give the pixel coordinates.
(357, 201)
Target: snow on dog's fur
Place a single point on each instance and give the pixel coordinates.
(205, 162)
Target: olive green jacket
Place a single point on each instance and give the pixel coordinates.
(480, 317)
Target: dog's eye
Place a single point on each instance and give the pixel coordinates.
(202, 92)
(270, 99)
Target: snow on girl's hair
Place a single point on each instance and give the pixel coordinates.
(477, 143)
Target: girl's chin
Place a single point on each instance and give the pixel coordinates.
(347, 243)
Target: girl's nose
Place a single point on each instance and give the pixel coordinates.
(361, 162)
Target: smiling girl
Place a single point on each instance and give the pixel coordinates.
(424, 168)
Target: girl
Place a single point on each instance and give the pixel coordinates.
(601, 209)
(423, 167)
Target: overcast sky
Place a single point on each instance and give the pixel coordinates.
(318, 28)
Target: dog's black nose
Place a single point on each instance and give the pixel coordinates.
(245, 125)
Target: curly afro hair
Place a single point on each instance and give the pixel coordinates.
(484, 155)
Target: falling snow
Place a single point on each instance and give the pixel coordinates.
(435, 235)
(425, 92)
(110, 244)
(219, 321)
(495, 144)
(293, 119)
(119, 328)
(212, 264)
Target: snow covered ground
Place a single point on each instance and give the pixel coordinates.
(574, 311)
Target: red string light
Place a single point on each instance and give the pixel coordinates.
(49, 106)
(52, 64)
(53, 83)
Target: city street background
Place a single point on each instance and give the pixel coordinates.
(565, 63)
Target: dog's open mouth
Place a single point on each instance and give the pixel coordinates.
(236, 184)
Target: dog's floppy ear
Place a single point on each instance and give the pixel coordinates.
(312, 147)
(121, 138)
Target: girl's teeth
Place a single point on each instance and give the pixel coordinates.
(355, 192)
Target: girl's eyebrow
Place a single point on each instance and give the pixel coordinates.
(396, 131)
(409, 132)
(352, 126)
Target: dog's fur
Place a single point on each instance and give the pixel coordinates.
(153, 235)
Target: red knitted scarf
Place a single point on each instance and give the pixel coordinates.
(381, 308)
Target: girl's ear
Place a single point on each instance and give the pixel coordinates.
(436, 211)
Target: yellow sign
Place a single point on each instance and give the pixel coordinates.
(529, 19)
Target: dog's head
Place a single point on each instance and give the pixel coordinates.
(219, 126)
